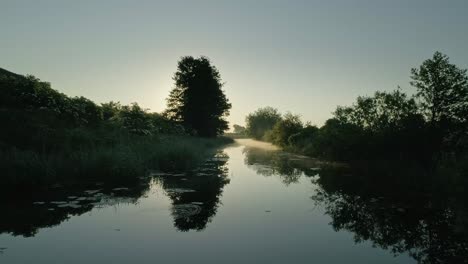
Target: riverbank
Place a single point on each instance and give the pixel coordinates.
(125, 158)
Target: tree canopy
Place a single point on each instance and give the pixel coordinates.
(262, 121)
(385, 125)
(442, 89)
(197, 101)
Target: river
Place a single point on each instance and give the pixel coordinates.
(250, 203)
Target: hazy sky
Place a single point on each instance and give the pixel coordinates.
(306, 57)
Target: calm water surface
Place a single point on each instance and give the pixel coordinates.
(245, 205)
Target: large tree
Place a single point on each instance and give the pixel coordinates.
(197, 100)
(442, 88)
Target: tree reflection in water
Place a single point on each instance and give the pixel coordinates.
(398, 207)
(196, 195)
(395, 215)
(25, 215)
(195, 199)
(288, 167)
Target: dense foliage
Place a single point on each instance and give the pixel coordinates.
(48, 136)
(239, 129)
(197, 100)
(388, 125)
(261, 121)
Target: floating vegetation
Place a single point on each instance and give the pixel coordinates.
(219, 157)
(70, 205)
(58, 202)
(179, 191)
(185, 210)
(120, 189)
(159, 174)
(206, 169)
(92, 191)
(203, 174)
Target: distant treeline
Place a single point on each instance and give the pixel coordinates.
(47, 135)
(431, 124)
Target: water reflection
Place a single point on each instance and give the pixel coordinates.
(196, 196)
(288, 167)
(195, 199)
(397, 207)
(26, 215)
(430, 226)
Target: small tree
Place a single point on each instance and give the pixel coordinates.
(239, 129)
(261, 121)
(284, 129)
(442, 89)
(197, 100)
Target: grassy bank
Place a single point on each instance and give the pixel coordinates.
(118, 157)
(48, 137)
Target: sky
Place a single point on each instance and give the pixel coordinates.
(305, 57)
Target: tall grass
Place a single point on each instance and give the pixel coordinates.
(108, 156)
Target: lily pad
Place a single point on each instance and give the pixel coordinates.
(71, 205)
(120, 189)
(92, 191)
(179, 190)
(203, 174)
(58, 202)
(157, 174)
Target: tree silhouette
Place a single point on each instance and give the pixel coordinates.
(197, 100)
(442, 89)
